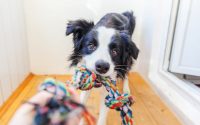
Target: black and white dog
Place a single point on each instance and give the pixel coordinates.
(105, 48)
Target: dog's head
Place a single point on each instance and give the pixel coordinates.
(105, 48)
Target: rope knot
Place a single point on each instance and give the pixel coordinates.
(118, 102)
(84, 79)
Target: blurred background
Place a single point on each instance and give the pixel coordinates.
(32, 40)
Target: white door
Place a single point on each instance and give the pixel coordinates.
(185, 56)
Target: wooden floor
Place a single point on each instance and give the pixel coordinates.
(148, 109)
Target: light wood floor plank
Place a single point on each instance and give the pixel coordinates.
(141, 114)
(17, 102)
(157, 109)
(148, 108)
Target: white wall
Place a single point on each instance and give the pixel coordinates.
(14, 60)
(148, 25)
(46, 24)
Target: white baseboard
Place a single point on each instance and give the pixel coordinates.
(182, 98)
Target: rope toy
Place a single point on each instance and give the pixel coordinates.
(84, 79)
(60, 108)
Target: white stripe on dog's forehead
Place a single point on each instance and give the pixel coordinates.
(105, 36)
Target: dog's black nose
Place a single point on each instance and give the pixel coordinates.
(102, 66)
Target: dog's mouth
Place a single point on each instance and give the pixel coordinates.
(100, 74)
(103, 70)
(105, 75)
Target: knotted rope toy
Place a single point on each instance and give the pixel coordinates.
(60, 108)
(84, 79)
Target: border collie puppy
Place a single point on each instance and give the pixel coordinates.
(105, 48)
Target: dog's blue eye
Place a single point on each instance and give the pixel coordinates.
(92, 47)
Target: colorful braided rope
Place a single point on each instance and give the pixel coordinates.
(60, 108)
(84, 79)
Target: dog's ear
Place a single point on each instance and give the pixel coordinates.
(132, 48)
(131, 21)
(79, 28)
(131, 51)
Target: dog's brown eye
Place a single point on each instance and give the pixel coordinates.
(91, 46)
(114, 52)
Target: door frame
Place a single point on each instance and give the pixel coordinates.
(181, 97)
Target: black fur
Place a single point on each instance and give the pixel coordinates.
(129, 52)
(121, 22)
(79, 28)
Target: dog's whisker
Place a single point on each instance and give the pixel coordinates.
(122, 69)
(122, 65)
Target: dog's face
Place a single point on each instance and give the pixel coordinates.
(105, 48)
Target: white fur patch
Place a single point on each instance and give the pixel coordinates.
(102, 51)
